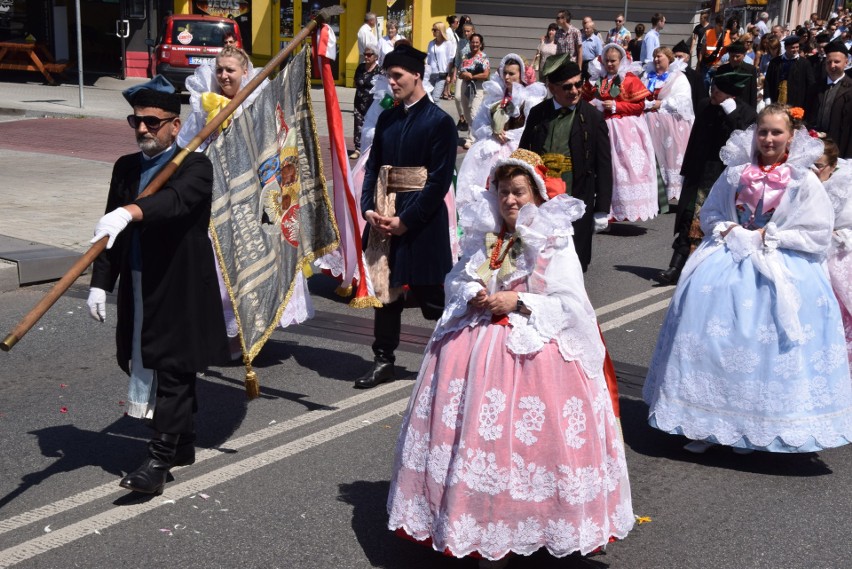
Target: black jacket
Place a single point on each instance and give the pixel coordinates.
(710, 131)
(592, 163)
(183, 328)
(840, 124)
(799, 78)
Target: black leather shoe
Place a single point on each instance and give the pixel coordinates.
(382, 372)
(150, 478)
(670, 275)
(462, 126)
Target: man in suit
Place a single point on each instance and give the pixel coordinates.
(170, 323)
(788, 76)
(829, 108)
(717, 117)
(736, 62)
(568, 127)
(411, 164)
(817, 60)
(696, 80)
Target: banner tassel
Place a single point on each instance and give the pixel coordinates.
(252, 384)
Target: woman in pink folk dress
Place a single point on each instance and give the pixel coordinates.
(836, 175)
(510, 443)
(614, 89)
(669, 114)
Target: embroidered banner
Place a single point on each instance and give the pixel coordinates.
(271, 210)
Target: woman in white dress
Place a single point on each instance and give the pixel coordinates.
(499, 123)
(669, 114)
(752, 354)
(836, 175)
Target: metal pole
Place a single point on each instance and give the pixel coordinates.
(79, 52)
(625, 11)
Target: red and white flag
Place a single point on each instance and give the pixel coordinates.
(347, 262)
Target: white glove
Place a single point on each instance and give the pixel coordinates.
(728, 105)
(97, 303)
(601, 222)
(111, 224)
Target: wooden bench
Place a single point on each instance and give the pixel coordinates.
(29, 57)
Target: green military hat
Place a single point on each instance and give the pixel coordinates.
(733, 83)
(559, 68)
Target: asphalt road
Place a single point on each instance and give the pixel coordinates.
(299, 477)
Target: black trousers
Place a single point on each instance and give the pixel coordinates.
(176, 403)
(388, 318)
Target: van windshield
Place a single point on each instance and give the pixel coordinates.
(193, 32)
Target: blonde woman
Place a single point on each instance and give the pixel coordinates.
(439, 54)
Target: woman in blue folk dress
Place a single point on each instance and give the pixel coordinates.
(752, 353)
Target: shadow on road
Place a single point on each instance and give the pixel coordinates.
(625, 229)
(121, 446)
(643, 439)
(325, 362)
(385, 549)
(646, 273)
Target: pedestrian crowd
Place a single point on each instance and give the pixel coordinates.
(512, 439)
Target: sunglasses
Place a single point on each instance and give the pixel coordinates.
(151, 122)
(369, 54)
(571, 86)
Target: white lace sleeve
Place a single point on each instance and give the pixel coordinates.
(482, 122)
(739, 148)
(559, 307)
(460, 285)
(191, 127)
(678, 101)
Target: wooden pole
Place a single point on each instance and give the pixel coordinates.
(62, 285)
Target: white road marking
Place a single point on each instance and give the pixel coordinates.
(633, 300)
(635, 315)
(105, 490)
(115, 515)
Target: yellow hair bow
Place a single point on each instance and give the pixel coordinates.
(213, 103)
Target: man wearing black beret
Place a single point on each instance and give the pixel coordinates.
(568, 127)
(829, 108)
(736, 62)
(408, 174)
(717, 117)
(788, 76)
(170, 323)
(696, 80)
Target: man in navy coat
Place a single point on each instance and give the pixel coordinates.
(413, 134)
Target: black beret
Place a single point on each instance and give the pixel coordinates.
(681, 47)
(157, 92)
(407, 57)
(836, 47)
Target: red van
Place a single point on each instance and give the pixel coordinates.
(186, 41)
